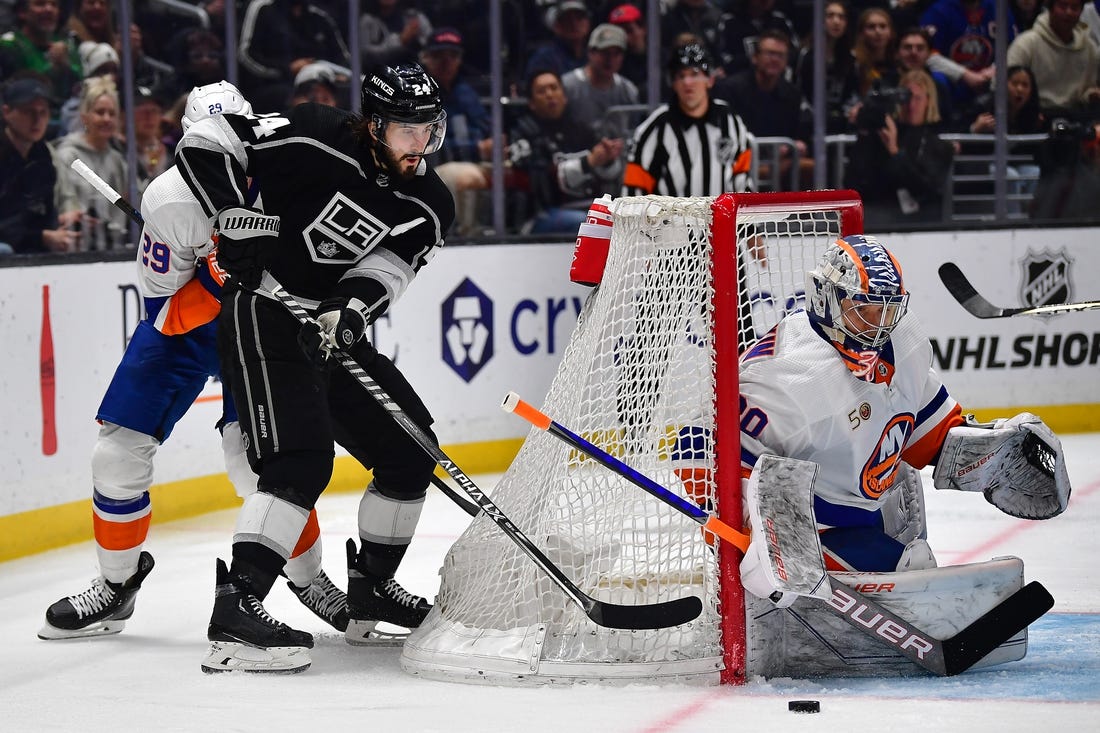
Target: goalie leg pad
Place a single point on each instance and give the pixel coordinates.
(1017, 464)
(784, 560)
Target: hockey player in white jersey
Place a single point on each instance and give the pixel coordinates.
(167, 362)
(847, 384)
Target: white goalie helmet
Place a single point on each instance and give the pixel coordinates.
(855, 294)
(211, 100)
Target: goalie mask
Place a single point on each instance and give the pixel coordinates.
(404, 106)
(855, 294)
(211, 100)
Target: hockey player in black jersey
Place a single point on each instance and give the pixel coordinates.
(351, 214)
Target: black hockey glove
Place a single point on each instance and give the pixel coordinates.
(340, 325)
(245, 238)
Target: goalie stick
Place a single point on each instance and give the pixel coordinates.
(944, 657)
(612, 615)
(969, 298)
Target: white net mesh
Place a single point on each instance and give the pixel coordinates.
(638, 380)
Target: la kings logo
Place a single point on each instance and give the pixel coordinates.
(343, 232)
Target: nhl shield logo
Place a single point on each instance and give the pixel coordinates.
(1045, 278)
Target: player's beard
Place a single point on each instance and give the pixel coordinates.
(402, 167)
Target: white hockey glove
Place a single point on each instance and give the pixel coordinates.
(340, 325)
(1016, 463)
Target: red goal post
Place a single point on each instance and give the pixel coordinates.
(650, 375)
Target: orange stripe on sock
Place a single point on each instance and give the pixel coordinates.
(120, 535)
(310, 534)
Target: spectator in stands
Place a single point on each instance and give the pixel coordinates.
(899, 164)
(278, 38)
(462, 162)
(153, 156)
(1090, 16)
(963, 31)
(695, 146)
(392, 32)
(1063, 59)
(1027, 12)
(914, 52)
(28, 215)
(316, 83)
(875, 51)
(703, 20)
(770, 105)
(1024, 118)
(629, 18)
(560, 164)
(594, 88)
(97, 59)
(750, 18)
(93, 20)
(37, 45)
(198, 57)
(1069, 185)
(841, 85)
(103, 226)
(571, 23)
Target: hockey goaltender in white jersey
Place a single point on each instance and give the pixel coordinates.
(847, 384)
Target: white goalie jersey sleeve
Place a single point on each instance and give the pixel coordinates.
(800, 400)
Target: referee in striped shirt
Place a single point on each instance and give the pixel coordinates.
(695, 147)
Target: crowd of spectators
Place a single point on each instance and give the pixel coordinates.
(571, 67)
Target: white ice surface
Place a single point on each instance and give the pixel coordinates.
(147, 678)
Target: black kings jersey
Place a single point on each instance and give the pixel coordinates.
(346, 228)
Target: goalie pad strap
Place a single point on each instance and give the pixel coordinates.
(1017, 464)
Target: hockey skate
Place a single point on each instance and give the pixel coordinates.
(245, 637)
(325, 600)
(373, 600)
(98, 611)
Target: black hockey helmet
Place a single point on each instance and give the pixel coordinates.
(689, 56)
(406, 94)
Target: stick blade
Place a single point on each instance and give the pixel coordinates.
(961, 290)
(997, 626)
(652, 616)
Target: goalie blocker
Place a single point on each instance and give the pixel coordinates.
(1017, 464)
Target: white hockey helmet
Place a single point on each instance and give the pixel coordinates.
(855, 294)
(211, 100)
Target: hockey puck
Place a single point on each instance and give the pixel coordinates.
(804, 706)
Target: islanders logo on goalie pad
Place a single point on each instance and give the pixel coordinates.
(878, 472)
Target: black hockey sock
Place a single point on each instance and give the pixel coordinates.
(255, 567)
(378, 560)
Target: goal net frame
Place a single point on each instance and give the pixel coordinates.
(496, 619)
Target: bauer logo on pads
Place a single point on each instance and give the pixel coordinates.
(467, 330)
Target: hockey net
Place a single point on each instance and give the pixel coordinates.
(650, 375)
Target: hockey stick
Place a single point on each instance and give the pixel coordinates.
(970, 299)
(603, 613)
(513, 403)
(106, 191)
(944, 657)
(612, 615)
(116, 198)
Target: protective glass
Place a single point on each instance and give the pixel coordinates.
(424, 138)
(869, 319)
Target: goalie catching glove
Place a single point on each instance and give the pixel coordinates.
(1016, 463)
(341, 323)
(244, 236)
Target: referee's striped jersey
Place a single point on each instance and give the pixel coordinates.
(676, 155)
